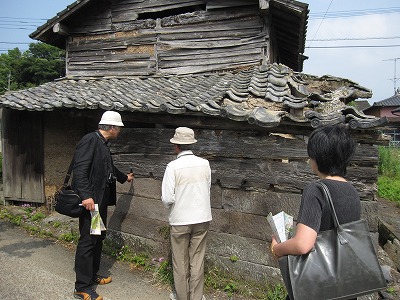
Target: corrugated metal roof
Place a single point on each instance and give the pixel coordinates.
(265, 95)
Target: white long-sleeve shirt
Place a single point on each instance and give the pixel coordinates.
(186, 189)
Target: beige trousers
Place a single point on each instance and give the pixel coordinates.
(188, 246)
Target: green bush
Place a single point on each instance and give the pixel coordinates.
(389, 188)
(389, 162)
(389, 173)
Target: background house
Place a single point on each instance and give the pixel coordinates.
(231, 70)
(388, 108)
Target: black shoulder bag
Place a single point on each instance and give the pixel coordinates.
(67, 200)
(342, 264)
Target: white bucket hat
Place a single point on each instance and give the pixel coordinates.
(183, 136)
(111, 118)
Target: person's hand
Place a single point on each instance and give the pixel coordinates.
(130, 177)
(273, 243)
(88, 204)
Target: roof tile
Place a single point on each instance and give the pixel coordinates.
(264, 95)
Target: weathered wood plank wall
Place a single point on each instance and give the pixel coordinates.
(166, 37)
(22, 156)
(253, 173)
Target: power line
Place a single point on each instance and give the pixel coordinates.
(13, 18)
(357, 39)
(16, 28)
(352, 46)
(353, 13)
(14, 43)
(319, 26)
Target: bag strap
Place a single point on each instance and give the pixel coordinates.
(68, 175)
(71, 165)
(328, 197)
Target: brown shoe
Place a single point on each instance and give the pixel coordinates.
(89, 294)
(102, 279)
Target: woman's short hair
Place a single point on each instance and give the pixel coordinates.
(332, 148)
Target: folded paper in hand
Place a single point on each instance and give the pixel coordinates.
(97, 225)
(281, 225)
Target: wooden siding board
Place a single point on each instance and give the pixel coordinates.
(204, 52)
(203, 17)
(225, 25)
(213, 43)
(200, 34)
(197, 61)
(277, 161)
(205, 55)
(109, 57)
(23, 156)
(154, 5)
(217, 4)
(209, 68)
(12, 181)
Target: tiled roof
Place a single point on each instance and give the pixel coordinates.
(391, 101)
(361, 105)
(265, 95)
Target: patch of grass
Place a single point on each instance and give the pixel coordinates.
(56, 224)
(37, 216)
(389, 173)
(389, 188)
(70, 237)
(37, 231)
(216, 279)
(389, 162)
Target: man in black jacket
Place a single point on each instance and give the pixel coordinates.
(94, 179)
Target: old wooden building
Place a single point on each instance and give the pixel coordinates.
(229, 69)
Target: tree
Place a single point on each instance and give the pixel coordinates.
(40, 64)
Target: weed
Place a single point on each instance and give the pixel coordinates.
(164, 274)
(277, 292)
(123, 254)
(391, 290)
(37, 216)
(216, 279)
(70, 237)
(16, 220)
(164, 232)
(4, 214)
(140, 260)
(230, 289)
(389, 174)
(56, 224)
(233, 258)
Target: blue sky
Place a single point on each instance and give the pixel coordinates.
(348, 24)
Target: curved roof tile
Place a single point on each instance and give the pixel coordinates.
(264, 95)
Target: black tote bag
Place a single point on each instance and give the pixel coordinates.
(67, 200)
(342, 264)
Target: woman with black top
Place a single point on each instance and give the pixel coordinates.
(330, 149)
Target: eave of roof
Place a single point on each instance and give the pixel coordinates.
(44, 33)
(391, 101)
(291, 40)
(266, 96)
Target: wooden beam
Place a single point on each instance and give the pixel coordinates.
(61, 29)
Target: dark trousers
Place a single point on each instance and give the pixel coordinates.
(88, 251)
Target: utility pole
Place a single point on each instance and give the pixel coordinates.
(395, 79)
